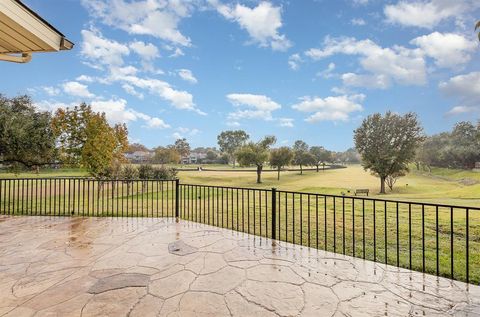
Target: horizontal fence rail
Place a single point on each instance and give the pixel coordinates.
(431, 238)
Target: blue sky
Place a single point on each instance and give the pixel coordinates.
(307, 69)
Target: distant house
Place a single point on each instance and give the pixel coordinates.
(139, 157)
(194, 158)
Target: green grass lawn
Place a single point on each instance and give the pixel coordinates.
(444, 186)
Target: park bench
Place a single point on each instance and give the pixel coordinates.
(361, 191)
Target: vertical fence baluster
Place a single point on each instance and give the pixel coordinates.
(274, 213)
(325, 223)
(316, 220)
(398, 237)
(437, 259)
(467, 245)
(334, 224)
(374, 233)
(423, 238)
(353, 226)
(451, 243)
(293, 216)
(410, 236)
(385, 233)
(343, 224)
(308, 214)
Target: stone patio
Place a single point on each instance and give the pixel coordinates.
(156, 267)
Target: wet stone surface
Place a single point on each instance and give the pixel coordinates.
(119, 281)
(181, 248)
(156, 267)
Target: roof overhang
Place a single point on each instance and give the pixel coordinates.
(23, 32)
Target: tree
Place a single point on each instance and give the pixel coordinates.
(70, 127)
(86, 139)
(387, 144)
(280, 158)
(134, 147)
(256, 154)
(231, 141)
(129, 174)
(459, 148)
(182, 147)
(211, 155)
(392, 179)
(26, 136)
(104, 146)
(302, 156)
(321, 156)
(166, 155)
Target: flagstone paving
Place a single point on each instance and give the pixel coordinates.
(156, 267)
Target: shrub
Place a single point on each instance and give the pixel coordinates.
(129, 172)
(145, 171)
(163, 172)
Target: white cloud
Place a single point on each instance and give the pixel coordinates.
(98, 49)
(157, 123)
(129, 89)
(177, 136)
(286, 122)
(147, 51)
(398, 63)
(294, 61)
(52, 106)
(427, 14)
(327, 73)
(449, 50)
(257, 107)
(179, 99)
(51, 91)
(366, 81)
(187, 75)
(260, 102)
(157, 18)
(457, 110)
(261, 22)
(182, 132)
(358, 22)
(465, 88)
(85, 78)
(337, 108)
(115, 110)
(360, 2)
(77, 89)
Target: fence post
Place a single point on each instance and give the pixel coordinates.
(274, 213)
(177, 198)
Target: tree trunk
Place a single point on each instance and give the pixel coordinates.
(382, 185)
(259, 174)
(233, 159)
(301, 169)
(278, 176)
(317, 168)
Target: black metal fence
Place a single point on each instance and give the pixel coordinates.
(432, 238)
(87, 197)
